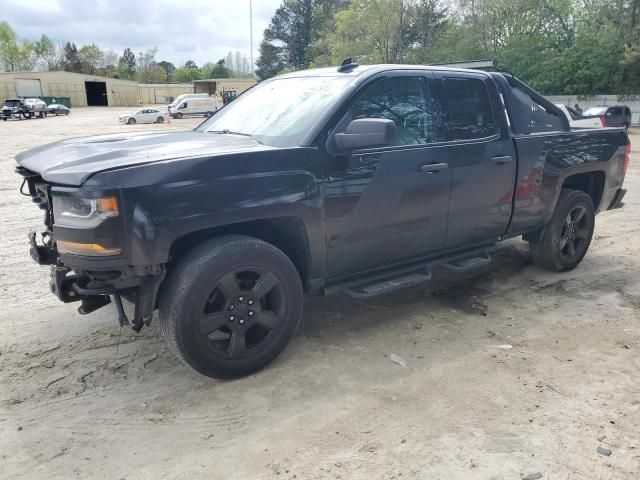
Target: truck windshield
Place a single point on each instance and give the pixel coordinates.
(12, 103)
(280, 112)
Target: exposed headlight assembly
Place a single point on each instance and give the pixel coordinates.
(83, 213)
(76, 212)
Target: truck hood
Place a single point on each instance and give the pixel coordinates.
(71, 162)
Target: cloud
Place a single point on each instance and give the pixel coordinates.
(199, 30)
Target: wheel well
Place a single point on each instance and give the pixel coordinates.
(592, 183)
(286, 233)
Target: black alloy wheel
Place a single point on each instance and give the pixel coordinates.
(243, 311)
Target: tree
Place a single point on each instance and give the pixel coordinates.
(373, 30)
(215, 70)
(90, 57)
(169, 69)
(127, 64)
(271, 60)
(49, 56)
(148, 71)
(15, 56)
(188, 72)
(71, 61)
(287, 38)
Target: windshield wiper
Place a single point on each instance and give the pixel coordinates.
(226, 131)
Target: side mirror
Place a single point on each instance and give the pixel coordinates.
(367, 132)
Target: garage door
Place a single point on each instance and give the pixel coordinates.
(26, 87)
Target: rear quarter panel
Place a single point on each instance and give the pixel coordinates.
(546, 160)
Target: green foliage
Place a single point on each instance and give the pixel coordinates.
(558, 46)
(15, 55)
(90, 57)
(127, 64)
(188, 72)
(216, 70)
(71, 59)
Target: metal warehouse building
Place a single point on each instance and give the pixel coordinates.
(86, 90)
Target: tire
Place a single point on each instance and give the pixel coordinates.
(66, 112)
(564, 241)
(160, 119)
(28, 115)
(4, 119)
(207, 301)
(57, 113)
(41, 114)
(131, 121)
(179, 115)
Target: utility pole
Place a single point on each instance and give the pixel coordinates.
(251, 32)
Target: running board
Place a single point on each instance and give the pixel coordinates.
(466, 263)
(390, 282)
(409, 276)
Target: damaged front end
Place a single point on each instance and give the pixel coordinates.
(81, 243)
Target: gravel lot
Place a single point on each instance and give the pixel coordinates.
(334, 405)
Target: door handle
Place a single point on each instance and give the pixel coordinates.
(432, 168)
(502, 159)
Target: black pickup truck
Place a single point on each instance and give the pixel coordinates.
(357, 180)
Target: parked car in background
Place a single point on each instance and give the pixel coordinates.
(37, 107)
(58, 109)
(185, 96)
(195, 107)
(144, 115)
(579, 121)
(15, 108)
(610, 115)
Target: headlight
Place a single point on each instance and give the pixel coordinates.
(78, 212)
(83, 213)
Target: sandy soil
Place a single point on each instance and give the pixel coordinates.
(75, 404)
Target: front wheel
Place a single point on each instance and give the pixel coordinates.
(131, 121)
(564, 242)
(230, 306)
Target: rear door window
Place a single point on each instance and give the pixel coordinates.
(468, 109)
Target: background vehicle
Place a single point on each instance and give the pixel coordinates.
(15, 108)
(144, 115)
(579, 121)
(229, 95)
(37, 107)
(185, 96)
(610, 116)
(194, 106)
(58, 109)
(360, 180)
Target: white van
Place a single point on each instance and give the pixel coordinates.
(184, 96)
(194, 106)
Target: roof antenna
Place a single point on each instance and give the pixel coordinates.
(347, 64)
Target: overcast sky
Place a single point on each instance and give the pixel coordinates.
(199, 30)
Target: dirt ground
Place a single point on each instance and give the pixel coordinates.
(75, 404)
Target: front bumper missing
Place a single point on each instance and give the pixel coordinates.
(94, 294)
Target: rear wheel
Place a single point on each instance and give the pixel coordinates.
(41, 114)
(564, 242)
(131, 121)
(160, 119)
(231, 306)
